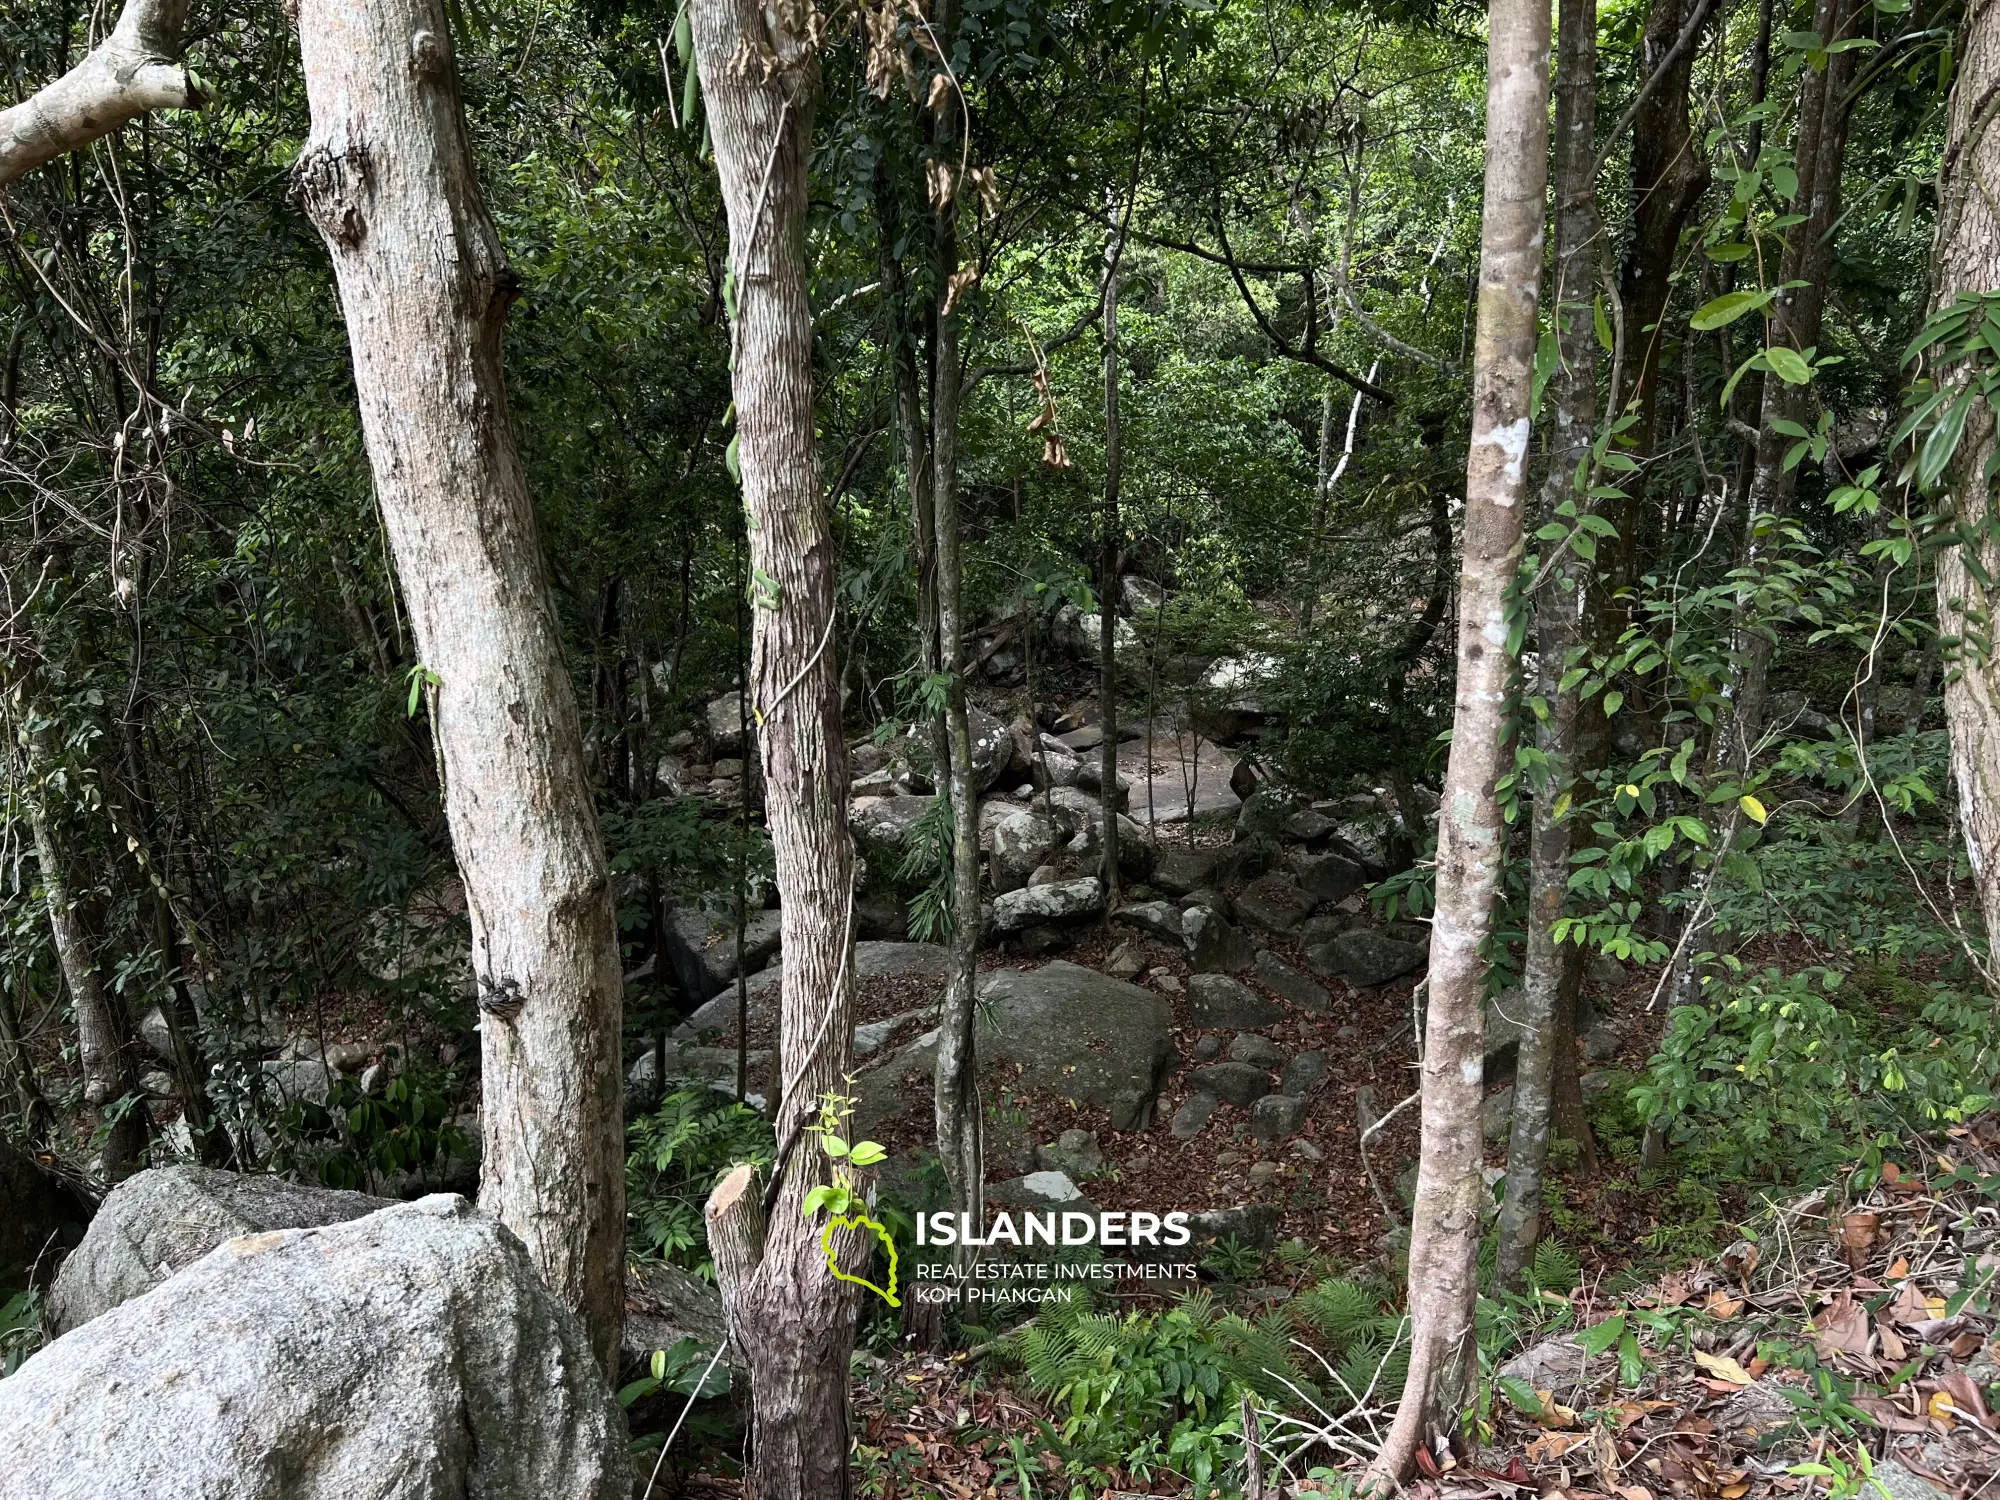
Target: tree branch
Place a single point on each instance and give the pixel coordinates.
(1306, 353)
(133, 71)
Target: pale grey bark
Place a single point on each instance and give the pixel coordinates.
(1966, 258)
(387, 176)
(131, 72)
(1558, 606)
(1444, 1231)
(789, 1315)
(1107, 573)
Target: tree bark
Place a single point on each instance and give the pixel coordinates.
(1444, 1237)
(791, 1318)
(1107, 576)
(105, 1047)
(1966, 258)
(37, 1118)
(131, 72)
(387, 177)
(960, 1128)
(1543, 991)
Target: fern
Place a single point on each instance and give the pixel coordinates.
(1339, 1310)
(1556, 1269)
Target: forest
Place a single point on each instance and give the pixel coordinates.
(882, 749)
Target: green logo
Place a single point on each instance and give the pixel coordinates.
(860, 1221)
(842, 1199)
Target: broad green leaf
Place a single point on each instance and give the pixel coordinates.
(1788, 365)
(1752, 809)
(1726, 309)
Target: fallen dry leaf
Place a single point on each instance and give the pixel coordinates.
(1967, 1344)
(1546, 1447)
(1841, 1327)
(1892, 1346)
(1724, 1368)
(1899, 1268)
(1721, 1306)
(1858, 1232)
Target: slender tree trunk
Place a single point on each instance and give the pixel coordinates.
(960, 1129)
(791, 1318)
(1107, 576)
(1444, 1235)
(1966, 258)
(1556, 606)
(106, 1048)
(37, 1119)
(387, 177)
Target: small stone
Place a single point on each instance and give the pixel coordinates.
(1605, 972)
(1075, 1152)
(1306, 1072)
(1309, 826)
(1258, 1051)
(1193, 1116)
(1274, 903)
(1239, 1083)
(1276, 1116)
(1308, 1150)
(1261, 1173)
(1265, 813)
(1229, 1159)
(1015, 910)
(1602, 1042)
(727, 769)
(1219, 1002)
(1168, 983)
(1254, 1224)
(1208, 1048)
(1366, 1109)
(1277, 975)
(1125, 962)
(1327, 877)
(1367, 958)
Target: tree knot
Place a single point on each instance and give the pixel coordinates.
(329, 184)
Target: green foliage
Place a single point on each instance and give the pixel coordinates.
(358, 1137)
(675, 1156)
(20, 1329)
(1783, 1076)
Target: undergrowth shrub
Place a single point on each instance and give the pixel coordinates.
(675, 1156)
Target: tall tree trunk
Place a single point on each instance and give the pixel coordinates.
(1543, 991)
(791, 1318)
(1107, 576)
(960, 1128)
(106, 1047)
(388, 179)
(37, 1118)
(1444, 1231)
(1966, 258)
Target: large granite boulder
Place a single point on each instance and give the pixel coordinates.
(1367, 957)
(1214, 947)
(157, 1222)
(1035, 905)
(872, 961)
(413, 1353)
(1061, 1029)
(1022, 843)
(664, 1305)
(992, 747)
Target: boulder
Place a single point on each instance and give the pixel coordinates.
(1161, 918)
(1308, 826)
(1277, 975)
(1034, 905)
(1275, 903)
(45, 1215)
(1053, 768)
(1326, 877)
(1075, 1153)
(1265, 813)
(663, 1305)
(1070, 1031)
(157, 1222)
(1560, 1365)
(1258, 1051)
(1193, 1116)
(1367, 957)
(414, 1352)
(1181, 872)
(1240, 1083)
(1218, 1002)
(1022, 841)
(1252, 1224)
(726, 717)
(1305, 1073)
(1214, 947)
(874, 960)
(1275, 1117)
(882, 824)
(992, 747)
(711, 938)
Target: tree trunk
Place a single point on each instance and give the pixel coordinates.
(387, 177)
(1543, 992)
(1966, 258)
(37, 1118)
(960, 1128)
(1444, 1235)
(133, 71)
(106, 1047)
(793, 1321)
(1107, 577)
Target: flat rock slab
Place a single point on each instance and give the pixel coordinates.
(1275, 903)
(1037, 905)
(1242, 1084)
(1070, 1031)
(156, 1223)
(1183, 771)
(1277, 975)
(931, 961)
(1367, 957)
(412, 1353)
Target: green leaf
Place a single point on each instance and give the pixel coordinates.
(1752, 809)
(868, 1153)
(1728, 252)
(1941, 445)
(1788, 365)
(1603, 323)
(1613, 701)
(1726, 309)
(1596, 1340)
